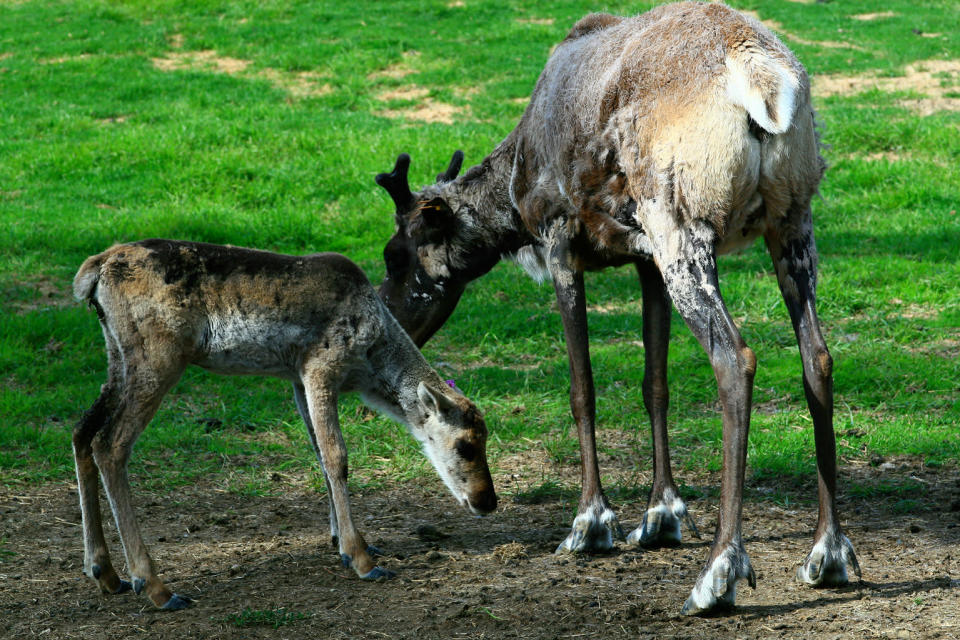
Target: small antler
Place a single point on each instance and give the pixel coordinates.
(451, 173)
(396, 183)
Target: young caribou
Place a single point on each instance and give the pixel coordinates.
(659, 141)
(314, 320)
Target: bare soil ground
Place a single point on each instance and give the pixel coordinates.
(497, 577)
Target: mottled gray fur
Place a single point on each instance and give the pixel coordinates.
(313, 320)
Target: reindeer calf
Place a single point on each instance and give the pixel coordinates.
(314, 320)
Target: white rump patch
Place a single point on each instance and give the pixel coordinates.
(754, 81)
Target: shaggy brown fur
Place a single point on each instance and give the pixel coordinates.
(660, 140)
(313, 320)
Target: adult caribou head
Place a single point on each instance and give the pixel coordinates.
(437, 247)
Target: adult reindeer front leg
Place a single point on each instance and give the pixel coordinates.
(795, 260)
(665, 508)
(320, 390)
(686, 257)
(596, 524)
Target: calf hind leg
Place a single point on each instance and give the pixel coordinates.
(143, 389)
(795, 260)
(665, 509)
(96, 557)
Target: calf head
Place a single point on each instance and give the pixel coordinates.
(433, 253)
(454, 438)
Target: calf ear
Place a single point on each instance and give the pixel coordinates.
(431, 401)
(432, 222)
(428, 399)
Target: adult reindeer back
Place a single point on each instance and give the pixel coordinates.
(660, 141)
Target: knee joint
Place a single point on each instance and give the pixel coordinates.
(748, 361)
(824, 362)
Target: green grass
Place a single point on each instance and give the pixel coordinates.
(275, 618)
(99, 145)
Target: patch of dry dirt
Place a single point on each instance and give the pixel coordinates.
(495, 577)
(397, 70)
(298, 84)
(927, 77)
(869, 17)
(47, 292)
(775, 26)
(206, 60)
(543, 21)
(426, 109)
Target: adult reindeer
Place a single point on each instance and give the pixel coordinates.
(659, 141)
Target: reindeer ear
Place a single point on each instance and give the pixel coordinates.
(431, 401)
(432, 222)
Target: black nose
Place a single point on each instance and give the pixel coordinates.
(485, 501)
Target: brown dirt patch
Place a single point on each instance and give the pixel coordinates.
(298, 84)
(404, 93)
(931, 77)
(206, 60)
(868, 17)
(397, 70)
(773, 25)
(65, 59)
(544, 21)
(425, 110)
(482, 578)
(44, 292)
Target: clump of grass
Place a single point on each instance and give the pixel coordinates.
(275, 618)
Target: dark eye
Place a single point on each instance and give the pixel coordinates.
(466, 450)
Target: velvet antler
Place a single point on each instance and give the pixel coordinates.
(396, 183)
(453, 169)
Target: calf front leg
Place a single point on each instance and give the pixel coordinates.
(301, 399)
(596, 524)
(321, 415)
(665, 509)
(687, 259)
(795, 259)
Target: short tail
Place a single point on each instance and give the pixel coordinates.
(85, 282)
(768, 88)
